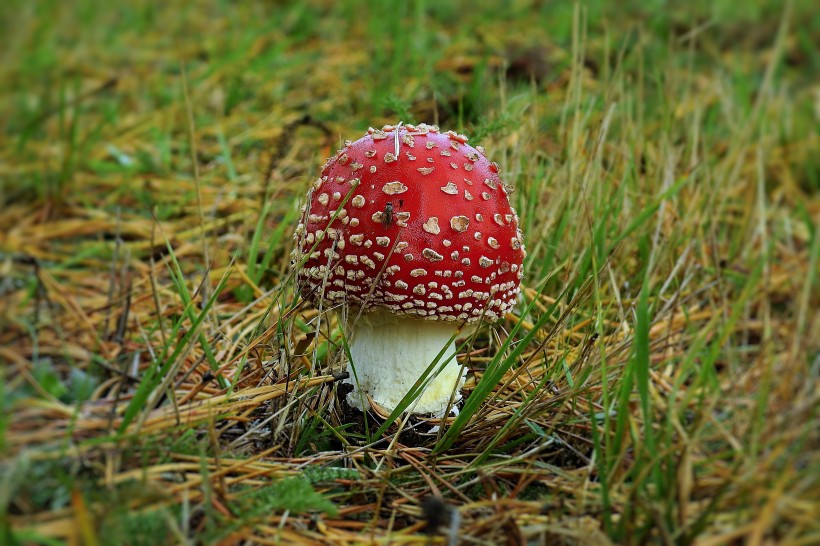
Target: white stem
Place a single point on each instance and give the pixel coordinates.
(391, 353)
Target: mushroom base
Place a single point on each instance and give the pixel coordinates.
(391, 353)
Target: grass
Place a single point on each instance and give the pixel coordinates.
(162, 382)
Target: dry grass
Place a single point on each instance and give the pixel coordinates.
(163, 384)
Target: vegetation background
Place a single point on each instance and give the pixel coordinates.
(161, 382)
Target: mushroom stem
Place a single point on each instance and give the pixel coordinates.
(390, 353)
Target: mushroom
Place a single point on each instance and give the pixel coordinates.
(410, 234)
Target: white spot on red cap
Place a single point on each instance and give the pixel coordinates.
(431, 226)
(450, 189)
(394, 188)
(432, 255)
(457, 137)
(459, 223)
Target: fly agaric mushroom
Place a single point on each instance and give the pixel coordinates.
(410, 233)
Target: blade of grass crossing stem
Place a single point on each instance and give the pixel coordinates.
(178, 278)
(496, 370)
(150, 382)
(430, 373)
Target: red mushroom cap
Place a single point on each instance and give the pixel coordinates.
(414, 221)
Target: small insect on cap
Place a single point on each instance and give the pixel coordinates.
(413, 221)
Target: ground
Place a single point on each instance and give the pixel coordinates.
(163, 382)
